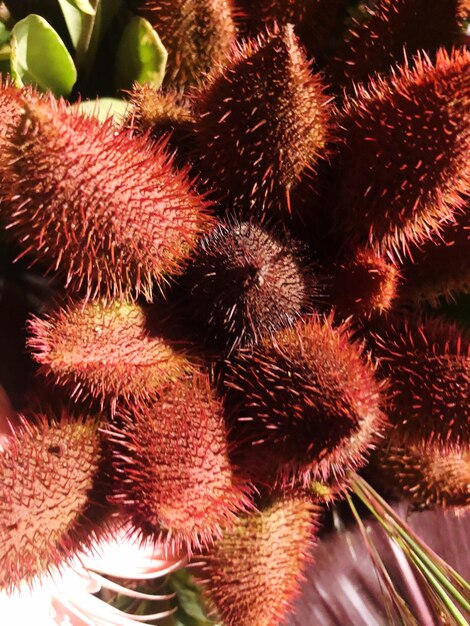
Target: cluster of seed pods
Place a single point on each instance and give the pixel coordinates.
(247, 276)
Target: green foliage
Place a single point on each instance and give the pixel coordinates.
(102, 108)
(39, 56)
(141, 56)
(191, 610)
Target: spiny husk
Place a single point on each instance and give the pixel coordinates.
(396, 186)
(253, 573)
(308, 404)
(262, 122)
(103, 208)
(106, 351)
(246, 282)
(51, 502)
(175, 482)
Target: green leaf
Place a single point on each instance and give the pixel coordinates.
(4, 34)
(141, 56)
(39, 56)
(102, 108)
(82, 5)
(74, 19)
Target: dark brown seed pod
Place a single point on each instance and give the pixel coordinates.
(159, 113)
(307, 402)
(253, 573)
(389, 31)
(427, 475)
(106, 351)
(405, 165)
(246, 283)
(428, 366)
(175, 481)
(262, 121)
(101, 207)
(440, 268)
(363, 286)
(195, 33)
(49, 476)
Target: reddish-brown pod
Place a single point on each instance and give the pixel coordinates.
(195, 33)
(441, 268)
(106, 351)
(314, 21)
(105, 209)
(253, 573)
(246, 282)
(49, 476)
(262, 121)
(363, 286)
(405, 167)
(308, 404)
(428, 367)
(174, 479)
(427, 475)
(389, 31)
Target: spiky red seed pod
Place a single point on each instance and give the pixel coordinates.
(308, 404)
(397, 186)
(175, 481)
(102, 207)
(428, 366)
(159, 112)
(365, 285)
(391, 30)
(261, 122)
(246, 283)
(428, 476)
(314, 21)
(106, 351)
(442, 267)
(195, 33)
(253, 573)
(49, 472)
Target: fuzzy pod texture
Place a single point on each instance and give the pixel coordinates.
(246, 282)
(427, 475)
(389, 31)
(195, 33)
(440, 268)
(253, 573)
(314, 21)
(49, 472)
(174, 479)
(158, 113)
(363, 286)
(307, 402)
(428, 368)
(106, 351)
(405, 164)
(262, 121)
(105, 209)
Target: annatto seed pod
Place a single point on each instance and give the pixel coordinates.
(307, 402)
(159, 113)
(261, 122)
(397, 186)
(428, 365)
(246, 283)
(106, 351)
(175, 481)
(392, 30)
(440, 268)
(102, 207)
(49, 508)
(195, 33)
(253, 573)
(363, 286)
(314, 21)
(428, 476)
